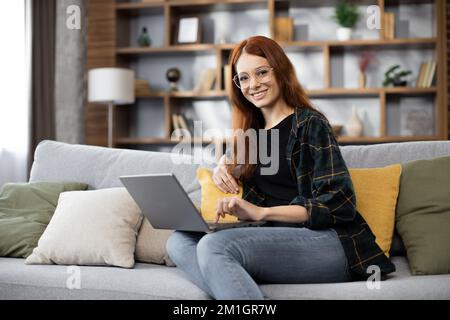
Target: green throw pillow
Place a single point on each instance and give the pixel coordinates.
(25, 211)
(423, 215)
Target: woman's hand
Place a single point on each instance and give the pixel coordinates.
(224, 180)
(239, 208)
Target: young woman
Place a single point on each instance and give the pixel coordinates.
(313, 233)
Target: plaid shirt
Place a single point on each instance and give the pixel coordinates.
(325, 189)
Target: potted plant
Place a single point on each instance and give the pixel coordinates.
(394, 76)
(346, 15)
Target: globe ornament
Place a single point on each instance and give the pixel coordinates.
(173, 76)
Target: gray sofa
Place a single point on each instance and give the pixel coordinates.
(101, 167)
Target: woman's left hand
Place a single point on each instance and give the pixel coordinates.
(238, 207)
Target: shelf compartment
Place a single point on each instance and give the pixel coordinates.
(251, 17)
(129, 25)
(344, 70)
(414, 115)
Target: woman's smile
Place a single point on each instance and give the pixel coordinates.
(259, 95)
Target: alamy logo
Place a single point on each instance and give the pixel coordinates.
(73, 21)
(257, 140)
(373, 20)
(74, 280)
(374, 280)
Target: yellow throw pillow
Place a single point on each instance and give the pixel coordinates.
(211, 194)
(376, 192)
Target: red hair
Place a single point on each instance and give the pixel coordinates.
(244, 114)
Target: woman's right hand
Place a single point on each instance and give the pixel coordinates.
(224, 180)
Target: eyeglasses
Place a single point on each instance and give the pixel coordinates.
(262, 75)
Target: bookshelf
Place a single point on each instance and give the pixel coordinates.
(111, 43)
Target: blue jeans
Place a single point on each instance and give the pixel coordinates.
(228, 264)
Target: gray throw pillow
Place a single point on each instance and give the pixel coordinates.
(423, 215)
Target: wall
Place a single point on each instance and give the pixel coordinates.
(70, 79)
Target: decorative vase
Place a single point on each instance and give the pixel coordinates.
(362, 79)
(144, 39)
(343, 34)
(354, 126)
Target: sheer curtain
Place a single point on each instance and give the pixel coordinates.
(15, 35)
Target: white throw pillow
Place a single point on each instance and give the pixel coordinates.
(95, 227)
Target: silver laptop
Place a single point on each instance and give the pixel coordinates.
(166, 205)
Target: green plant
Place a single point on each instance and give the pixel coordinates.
(394, 76)
(346, 14)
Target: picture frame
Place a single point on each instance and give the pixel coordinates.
(188, 29)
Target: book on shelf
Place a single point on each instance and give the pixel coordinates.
(389, 25)
(175, 124)
(180, 122)
(141, 87)
(283, 29)
(431, 74)
(226, 78)
(206, 81)
(420, 75)
(427, 71)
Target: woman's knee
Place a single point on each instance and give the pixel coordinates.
(214, 245)
(176, 244)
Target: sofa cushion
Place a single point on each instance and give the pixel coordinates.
(96, 227)
(25, 211)
(101, 167)
(376, 191)
(151, 281)
(400, 285)
(144, 281)
(423, 215)
(211, 195)
(380, 155)
(151, 245)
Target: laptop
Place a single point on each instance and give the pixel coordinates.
(166, 205)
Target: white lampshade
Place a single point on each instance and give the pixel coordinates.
(115, 85)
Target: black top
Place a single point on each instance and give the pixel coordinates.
(280, 188)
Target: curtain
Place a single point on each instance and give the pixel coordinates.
(15, 60)
(43, 72)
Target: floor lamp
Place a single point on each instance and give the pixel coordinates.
(111, 86)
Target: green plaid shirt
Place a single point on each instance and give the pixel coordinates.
(325, 189)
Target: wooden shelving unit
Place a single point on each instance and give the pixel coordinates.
(105, 48)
